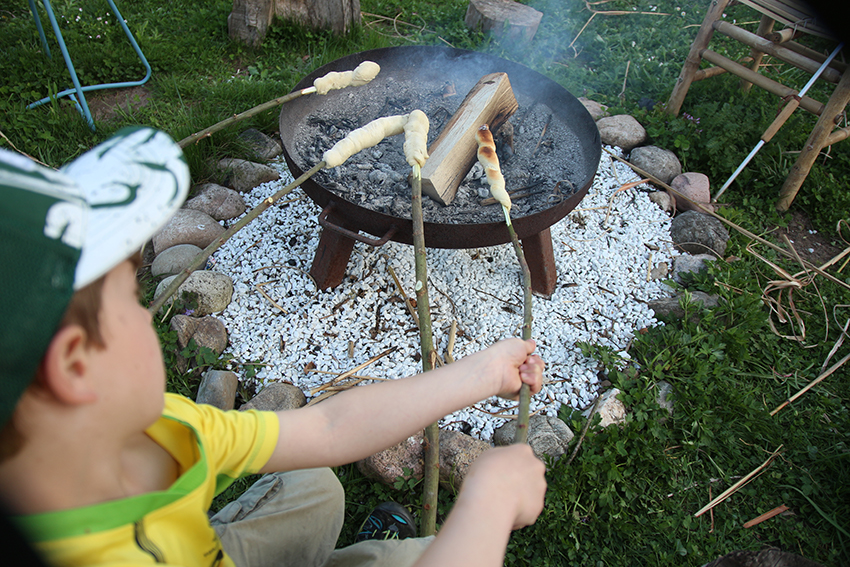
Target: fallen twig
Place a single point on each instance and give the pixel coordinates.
(584, 430)
(259, 287)
(766, 516)
(811, 384)
(349, 373)
(23, 153)
(407, 302)
(738, 485)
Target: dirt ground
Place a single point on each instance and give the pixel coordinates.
(108, 103)
(811, 246)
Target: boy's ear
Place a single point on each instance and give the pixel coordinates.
(65, 369)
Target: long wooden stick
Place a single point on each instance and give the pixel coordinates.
(201, 258)
(206, 132)
(521, 435)
(353, 371)
(431, 482)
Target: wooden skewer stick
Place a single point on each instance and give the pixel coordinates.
(364, 73)
(207, 132)
(521, 435)
(201, 258)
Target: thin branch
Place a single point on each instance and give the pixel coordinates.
(201, 258)
(738, 485)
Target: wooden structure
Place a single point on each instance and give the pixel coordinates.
(797, 18)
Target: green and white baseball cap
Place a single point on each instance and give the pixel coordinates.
(62, 230)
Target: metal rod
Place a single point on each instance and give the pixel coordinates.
(761, 142)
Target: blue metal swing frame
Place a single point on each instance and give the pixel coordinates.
(77, 93)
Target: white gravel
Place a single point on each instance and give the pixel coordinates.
(603, 251)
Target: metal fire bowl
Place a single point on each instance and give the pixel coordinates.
(438, 65)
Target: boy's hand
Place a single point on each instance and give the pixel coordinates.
(517, 366)
(514, 477)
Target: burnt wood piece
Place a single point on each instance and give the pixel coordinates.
(491, 101)
(504, 19)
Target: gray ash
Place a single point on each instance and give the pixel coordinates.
(546, 157)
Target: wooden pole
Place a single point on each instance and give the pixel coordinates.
(431, 481)
(692, 61)
(765, 27)
(521, 435)
(820, 133)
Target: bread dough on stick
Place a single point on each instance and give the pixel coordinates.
(364, 137)
(488, 158)
(361, 75)
(416, 138)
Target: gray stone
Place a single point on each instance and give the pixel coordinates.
(687, 263)
(207, 332)
(218, 202)
(243, 175)
(611, 410)
(277, 396)
(547, 435)
(457, 452)
(623, 131)
(389, 464)
(664, 399)
(670, 307)
(184, 326)
(656, 161)
(264, 147)
(595, 109)
(699, 233)
(665, 201)
(213, 291)
(218, 388)
(187, 227)
(694, 186)
(174, 260)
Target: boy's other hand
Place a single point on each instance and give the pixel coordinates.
(514, 477)
(517, 366)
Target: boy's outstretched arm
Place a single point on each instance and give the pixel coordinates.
(364, 420)
(502, 491)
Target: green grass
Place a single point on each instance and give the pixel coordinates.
(630, 496)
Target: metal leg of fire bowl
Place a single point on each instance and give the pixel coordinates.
(540, 257)
(331, 259)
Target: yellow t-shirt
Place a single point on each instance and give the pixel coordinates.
(213, 448)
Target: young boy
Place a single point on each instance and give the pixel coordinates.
(101, 467)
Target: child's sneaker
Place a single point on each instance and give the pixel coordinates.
(388, 520)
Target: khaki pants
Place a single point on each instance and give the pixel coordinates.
(294, 519)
